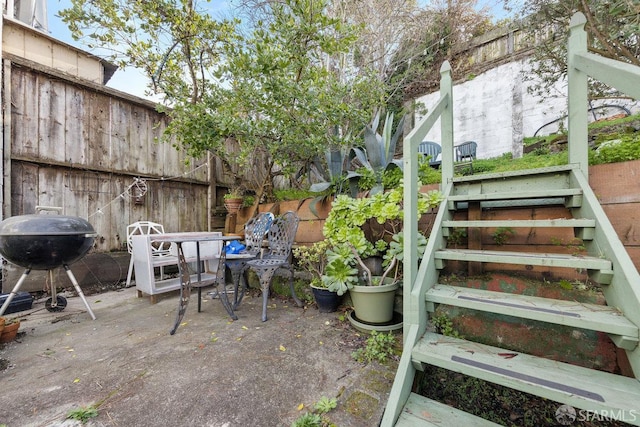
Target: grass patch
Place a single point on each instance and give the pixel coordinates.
(613, 141)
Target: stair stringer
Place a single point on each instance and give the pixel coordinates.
(414, 318)
(624, 290)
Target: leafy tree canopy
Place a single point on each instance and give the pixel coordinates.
(612, 28)
(274, 95)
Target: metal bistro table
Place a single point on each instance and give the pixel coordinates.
(183, 268)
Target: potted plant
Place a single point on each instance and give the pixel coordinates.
(314, 260)
(359, 228)
(234, 199)
(10, 330)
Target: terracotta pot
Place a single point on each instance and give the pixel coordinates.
(233, 205)
(2, 320)
(9, 332)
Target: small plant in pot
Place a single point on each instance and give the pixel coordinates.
(234, 200)
(10, 330)
(314, 260)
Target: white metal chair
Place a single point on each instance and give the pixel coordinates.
(158, 250)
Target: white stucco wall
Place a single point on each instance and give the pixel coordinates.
(495, 110)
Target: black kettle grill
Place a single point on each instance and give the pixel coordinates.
(46, 242)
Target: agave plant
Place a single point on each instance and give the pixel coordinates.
(377, 154)
(335, 179)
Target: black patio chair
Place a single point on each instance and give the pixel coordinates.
(280, 239)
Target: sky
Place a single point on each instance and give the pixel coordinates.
(133, 81)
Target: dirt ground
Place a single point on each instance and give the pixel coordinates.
(213, 372)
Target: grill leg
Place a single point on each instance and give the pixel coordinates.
(79, 290)
(15, 290)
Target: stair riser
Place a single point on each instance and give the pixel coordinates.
(580, 347)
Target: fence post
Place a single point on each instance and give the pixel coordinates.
(577, 103)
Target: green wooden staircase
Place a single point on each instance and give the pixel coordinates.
(605, 259)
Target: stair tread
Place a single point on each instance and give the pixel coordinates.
(570, 313)
(523, 194)
(514, 174)
(422, 411)
(525, 258)
(558, 222)
(573, 385)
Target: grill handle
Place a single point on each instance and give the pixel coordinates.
(48, 208)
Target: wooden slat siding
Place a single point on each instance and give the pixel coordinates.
(99, 132)
(120, 113)
(24, 115)
(25, 178)
(50, 125)
(72, 193)
(137, 134)
(75, 141)
(82, 193)
(110, 221)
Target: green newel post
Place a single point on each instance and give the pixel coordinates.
(578, 92)
(446, 124)
(414, 305)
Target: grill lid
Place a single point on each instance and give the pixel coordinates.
(46, 225)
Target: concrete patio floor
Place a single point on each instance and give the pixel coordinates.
(212, 372)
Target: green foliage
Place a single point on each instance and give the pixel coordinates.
(427, 174)
(392, 178)
(611, 29)
(379, 149)
(502, 235)
(340, 274)
(266, 99)
(366, 178)
(444, 326)
(334, 174)
(314, 260)
(456, 236)
(314, 418)
(396, 247)
(616, 148)
(565, 284)
(308, 419)
(292, 194)
(325, 404)
(348, 215)
(83, 414)
(382, 213)
(379, 347)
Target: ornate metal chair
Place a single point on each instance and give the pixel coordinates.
(186, 285)
(254, 231)
(280, 238)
